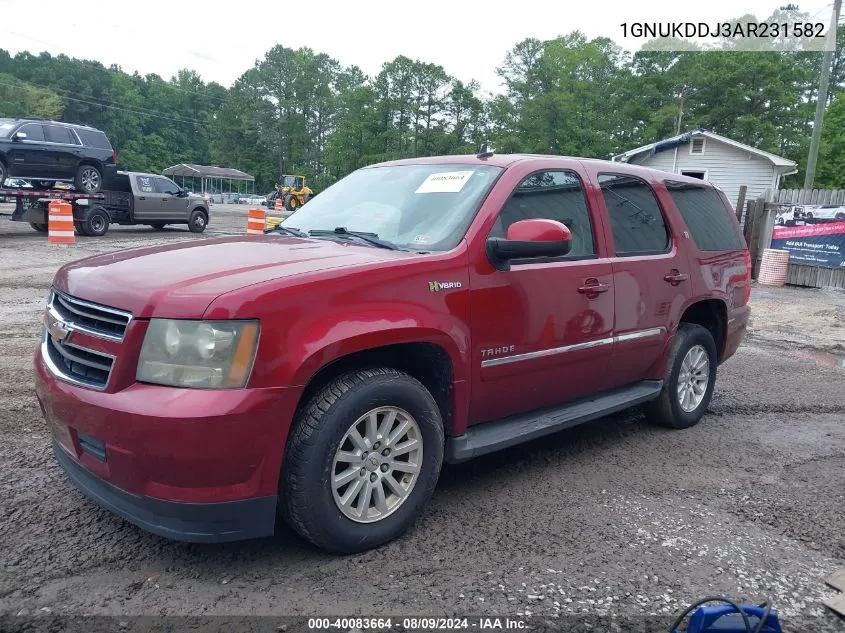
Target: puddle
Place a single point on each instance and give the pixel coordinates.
(822, 358)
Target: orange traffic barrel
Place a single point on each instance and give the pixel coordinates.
(60, 223)
(279, 205)
(256, 222)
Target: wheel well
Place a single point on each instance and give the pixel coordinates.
(427, 362)
(713, 315)
(90, 161)
(201, 209)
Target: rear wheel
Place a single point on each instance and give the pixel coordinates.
(88, 179)
(41, 228)
(690, 379)
(95, 223)
(362, 460)
(198, 221)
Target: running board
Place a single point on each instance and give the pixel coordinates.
(489, 437)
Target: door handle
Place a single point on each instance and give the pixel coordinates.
(593, 288)
(675, 277)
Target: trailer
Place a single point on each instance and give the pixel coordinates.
(31, 205)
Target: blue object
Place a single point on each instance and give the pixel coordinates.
(725, 619)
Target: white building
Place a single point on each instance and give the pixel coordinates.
(726, 163)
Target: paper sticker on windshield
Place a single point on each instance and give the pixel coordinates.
(444, 182)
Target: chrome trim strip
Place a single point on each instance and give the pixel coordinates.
(82, 328)
(630, 336)
(492, 362)
(58, 373)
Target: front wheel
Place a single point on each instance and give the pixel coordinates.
(362, 460)
(198, 221)
(291, 203)
(690, 379)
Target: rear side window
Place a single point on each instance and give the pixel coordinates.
(145, 184)
(551, 195)
(635, 217)
(706, 216)
(94, 138)
(58, 134)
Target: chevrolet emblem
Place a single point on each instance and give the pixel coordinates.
(57, 328)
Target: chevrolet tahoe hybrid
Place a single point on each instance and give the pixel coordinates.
(416, 312)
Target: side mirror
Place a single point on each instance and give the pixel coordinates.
(529, 239)
(19, 136)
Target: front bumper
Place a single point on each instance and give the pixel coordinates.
(188, 464)
(191, 522)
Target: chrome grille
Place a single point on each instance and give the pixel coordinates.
(87, 317)
(75, 364)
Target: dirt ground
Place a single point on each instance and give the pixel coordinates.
(613, 517)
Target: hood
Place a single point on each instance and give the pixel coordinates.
(181, 280)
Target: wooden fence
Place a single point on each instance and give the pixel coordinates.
(810, 196)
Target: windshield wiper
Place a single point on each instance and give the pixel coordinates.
(370, 238)
(288, 230)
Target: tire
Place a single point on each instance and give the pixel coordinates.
(840, 217)
(41, 228)
(198, 221)
(667, 410)
(291, 203)
(158, 226)
(308, 498)
(89, 179)
(95, 223)
(45, 184)
(4, 173)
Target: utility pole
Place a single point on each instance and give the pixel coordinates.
(821, 99)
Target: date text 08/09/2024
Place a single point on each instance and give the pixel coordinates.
(416, 624)
(766, 30)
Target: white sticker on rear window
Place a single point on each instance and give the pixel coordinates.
(444, 182)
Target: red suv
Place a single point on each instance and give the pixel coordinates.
(416, 312)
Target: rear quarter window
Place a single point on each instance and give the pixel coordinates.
(708, 219)
(94, 138)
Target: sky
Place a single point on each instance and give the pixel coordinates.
(469, 38)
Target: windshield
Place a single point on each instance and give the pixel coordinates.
(291, 181)
(419, 207)
(6, 126)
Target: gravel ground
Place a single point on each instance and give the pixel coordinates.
(616, 517)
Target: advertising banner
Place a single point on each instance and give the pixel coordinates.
(820, 245)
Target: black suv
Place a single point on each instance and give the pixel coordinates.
(45, 152)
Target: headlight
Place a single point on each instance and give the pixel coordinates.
(198, 354)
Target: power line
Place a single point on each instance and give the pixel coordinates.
(100, 102)
(113, 107)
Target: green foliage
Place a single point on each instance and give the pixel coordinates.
(300, 111)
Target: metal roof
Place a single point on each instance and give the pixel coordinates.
(207, 171)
